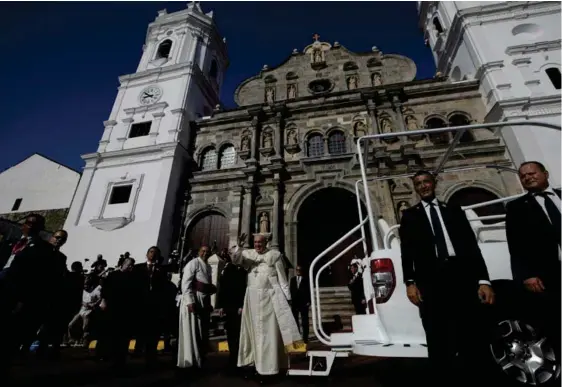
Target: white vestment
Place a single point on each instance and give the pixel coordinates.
(194, 327)
(268, 325)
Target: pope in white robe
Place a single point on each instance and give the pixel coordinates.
(268, 329)
(195, 311)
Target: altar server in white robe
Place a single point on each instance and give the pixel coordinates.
(195, 310)
(268, 327)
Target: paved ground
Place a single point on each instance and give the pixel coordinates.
(77, 368)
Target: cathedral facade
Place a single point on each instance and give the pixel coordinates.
(284, 162)
(175, 170)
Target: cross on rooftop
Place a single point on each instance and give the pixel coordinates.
(316, 37)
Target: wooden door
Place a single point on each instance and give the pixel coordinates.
(208, 229)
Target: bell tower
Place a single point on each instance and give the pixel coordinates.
(129, 190)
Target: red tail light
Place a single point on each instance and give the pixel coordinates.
(383, 278)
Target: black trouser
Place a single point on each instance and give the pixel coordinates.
(303, 325)
(455, 323)
(232, 324)
(149, 333)
(543, 311)
(115, 336)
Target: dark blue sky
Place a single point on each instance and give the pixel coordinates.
(60, 61)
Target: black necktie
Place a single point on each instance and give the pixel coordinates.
(438, 233)
(553, 213)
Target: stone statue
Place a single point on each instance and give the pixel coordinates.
(267, 140)
(292, 137)
(245, 143)
(360, 129)
(270, 95)
(264, 223)
(411, 123)
(291, 92)
(317, 56)
(352, 82)
(377, 80)
(386, 126)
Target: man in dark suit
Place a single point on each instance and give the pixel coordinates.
(533, 236)
(118, 314)
(300, 296)
(58, 316)
(230, 300)
(445, 275)
(23, 283)
(151, 285)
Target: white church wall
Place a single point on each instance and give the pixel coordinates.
(46, 185)
(146, 205)
(150, 163)
(506, 46)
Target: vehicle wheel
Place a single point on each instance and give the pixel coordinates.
(524, 355)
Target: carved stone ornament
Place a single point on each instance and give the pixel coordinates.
(269, 94)
(359, 129)
(110, 224)
(267, 151)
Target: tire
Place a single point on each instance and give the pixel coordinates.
(523, 355)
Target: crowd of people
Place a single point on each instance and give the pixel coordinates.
(444, 271)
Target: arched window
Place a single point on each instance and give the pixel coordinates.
(315, 145)
(227, 157)
(336, 143)
(209, 159)
(438, 138)
(164, 49)
(214, 70)
(461, 120)
(437, 25)
(475, 195)
(554, 76)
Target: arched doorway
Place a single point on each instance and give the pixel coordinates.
(323, 218)
(208, 228)
(475, 195)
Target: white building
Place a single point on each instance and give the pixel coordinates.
(37, 184)
(513, 49)
(132, 188)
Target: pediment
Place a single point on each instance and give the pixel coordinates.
(290, 80)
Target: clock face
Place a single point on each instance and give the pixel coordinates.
(150, 95)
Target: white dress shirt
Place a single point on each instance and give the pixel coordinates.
(299, 279)
(450, 248)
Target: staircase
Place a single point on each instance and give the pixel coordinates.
(334, 301)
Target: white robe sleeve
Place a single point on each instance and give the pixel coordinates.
(280, 268)
(187, 281)
(241, 257)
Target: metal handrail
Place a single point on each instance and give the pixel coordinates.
(388, 234)
(459, 129)
(314, 294)
(317, 284)
(490, 202)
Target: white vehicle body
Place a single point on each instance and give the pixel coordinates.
(392, 326)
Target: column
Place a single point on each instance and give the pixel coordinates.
(155, 127)
(398, 105)
(255, 142)
(247, 213)
(275, 226)
(109, 124)
(372, 108)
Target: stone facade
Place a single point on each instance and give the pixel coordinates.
(295, 133)
(54, 219)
